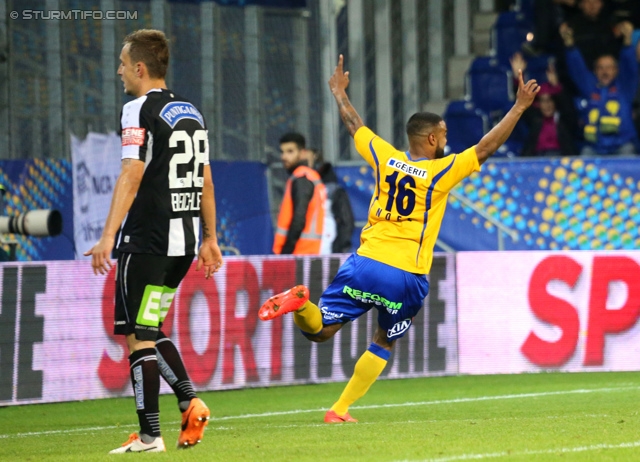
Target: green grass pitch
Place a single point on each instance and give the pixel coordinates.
(532, 417)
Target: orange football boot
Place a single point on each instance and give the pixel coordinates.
(194, 419)
(332, 417)
(284, 303)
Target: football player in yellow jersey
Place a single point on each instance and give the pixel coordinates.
(388, 271)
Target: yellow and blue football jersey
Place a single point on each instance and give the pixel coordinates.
(408, 202)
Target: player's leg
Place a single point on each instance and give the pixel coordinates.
(367, 370)
(195, 413)
(174, 372)
(136, 275)
(400, 296)
(318, 325)
(306, 314)
(325, 334)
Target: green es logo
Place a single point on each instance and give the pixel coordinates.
(155, 305)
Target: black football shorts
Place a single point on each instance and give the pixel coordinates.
(145, 287)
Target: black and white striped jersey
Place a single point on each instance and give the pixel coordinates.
(169, 135)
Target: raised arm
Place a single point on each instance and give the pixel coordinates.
(499, 134)
(627, 63)
(579, 73)
(338, 84)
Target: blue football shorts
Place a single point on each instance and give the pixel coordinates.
(362, 283)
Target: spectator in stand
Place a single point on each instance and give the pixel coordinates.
(338, 204)
(609, 92)
(547, 17)
(551, 119)
(593, 33)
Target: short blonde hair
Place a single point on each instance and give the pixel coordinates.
(150, 47)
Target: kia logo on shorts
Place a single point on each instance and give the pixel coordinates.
(398, 328)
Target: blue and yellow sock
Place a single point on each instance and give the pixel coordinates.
(367, 370)
(308, 318)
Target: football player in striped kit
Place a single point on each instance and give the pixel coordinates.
(162, 198)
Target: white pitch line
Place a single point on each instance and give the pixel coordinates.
(436, 402)
(531, 452)
(369, 406)
(71, 430)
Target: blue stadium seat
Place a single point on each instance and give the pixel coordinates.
(489, 85)
(508, 34)
(466, 124)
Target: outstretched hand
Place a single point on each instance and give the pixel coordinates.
(517, 62)
(552, 75)
(624, 30)
(339, 81)
(209, 258)
(526, 91)
(100, 255)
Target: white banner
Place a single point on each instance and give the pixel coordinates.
(536, 311)
(96, 166)
(56, 324)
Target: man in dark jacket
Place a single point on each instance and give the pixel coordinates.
(339, 204)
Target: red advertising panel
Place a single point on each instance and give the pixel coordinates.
(534, 311)
(56, 324)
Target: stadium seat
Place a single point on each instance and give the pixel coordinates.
(508, 34)
(466, 125)
(489, 85)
